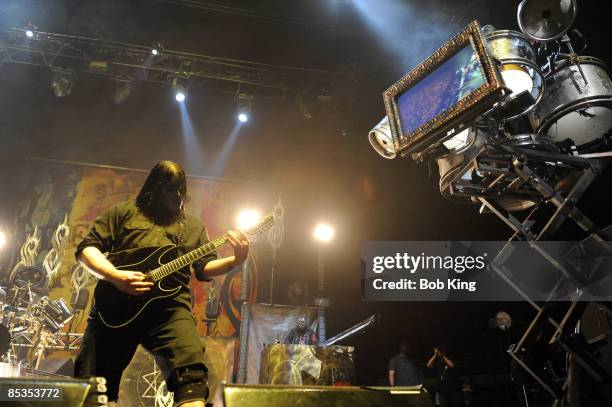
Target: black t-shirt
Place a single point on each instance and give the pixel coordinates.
(124, 228)
(406, 372)
(446, 379)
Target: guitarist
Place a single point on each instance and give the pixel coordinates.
(167, 328)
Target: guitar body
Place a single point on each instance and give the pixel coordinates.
(117, 309)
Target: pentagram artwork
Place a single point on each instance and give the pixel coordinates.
(144, 383)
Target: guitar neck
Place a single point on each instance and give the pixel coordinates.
(186, 259)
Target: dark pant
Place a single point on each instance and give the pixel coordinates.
(106, 352)
(450, 400)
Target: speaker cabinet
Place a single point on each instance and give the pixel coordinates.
(241, 395)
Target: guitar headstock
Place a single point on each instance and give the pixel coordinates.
(261, 225)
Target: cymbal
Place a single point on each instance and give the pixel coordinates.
(28, 274)
(546, 20)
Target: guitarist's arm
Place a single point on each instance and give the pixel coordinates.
(130, 282)
(217, 267)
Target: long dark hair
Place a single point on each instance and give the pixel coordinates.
(164, 173)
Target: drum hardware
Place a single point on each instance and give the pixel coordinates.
(33, 330)
(55, 314)
(484, 169)
(517, 64)
(546, 20)
(505, 169)
(381, 139)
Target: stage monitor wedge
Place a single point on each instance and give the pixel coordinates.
(240, 395)
(444, 94)
(47, 392)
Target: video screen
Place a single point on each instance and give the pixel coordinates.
(443, 88)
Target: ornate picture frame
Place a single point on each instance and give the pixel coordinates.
(449, 122)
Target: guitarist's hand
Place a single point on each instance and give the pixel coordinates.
(130, 282)
(240, 242)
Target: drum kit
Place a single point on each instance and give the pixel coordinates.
(30, 321)
(544, 142)
(558, 114)
(568, 114)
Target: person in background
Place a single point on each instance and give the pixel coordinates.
(402, 370)
(447, 384)
(301, 334)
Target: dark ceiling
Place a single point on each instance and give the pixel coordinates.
(321, 166)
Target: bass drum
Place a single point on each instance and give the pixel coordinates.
(573, 108)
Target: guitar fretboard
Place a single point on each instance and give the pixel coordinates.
(186, 259)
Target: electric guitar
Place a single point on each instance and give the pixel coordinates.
(117, 309)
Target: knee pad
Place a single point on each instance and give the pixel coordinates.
(189, 383)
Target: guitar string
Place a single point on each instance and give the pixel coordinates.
(169, 268)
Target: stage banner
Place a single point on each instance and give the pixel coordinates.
(263, 325)
(79, 193)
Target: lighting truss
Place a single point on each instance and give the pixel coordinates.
(117, 59)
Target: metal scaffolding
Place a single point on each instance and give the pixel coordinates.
(131, 62)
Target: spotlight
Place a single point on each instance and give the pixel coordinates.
(157, 49)
(179, 88)
(123, 90)
(324, 233)
(244, 106)
(63, 83)
(2, 239)
(30, 30)
(247, 218)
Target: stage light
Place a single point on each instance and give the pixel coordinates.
(63, 83)
(123, 90)
(244, 104)
(324, 233)
(30, 30)
(2, 239)
(157, 49)
(247, 218)
(179, 88)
